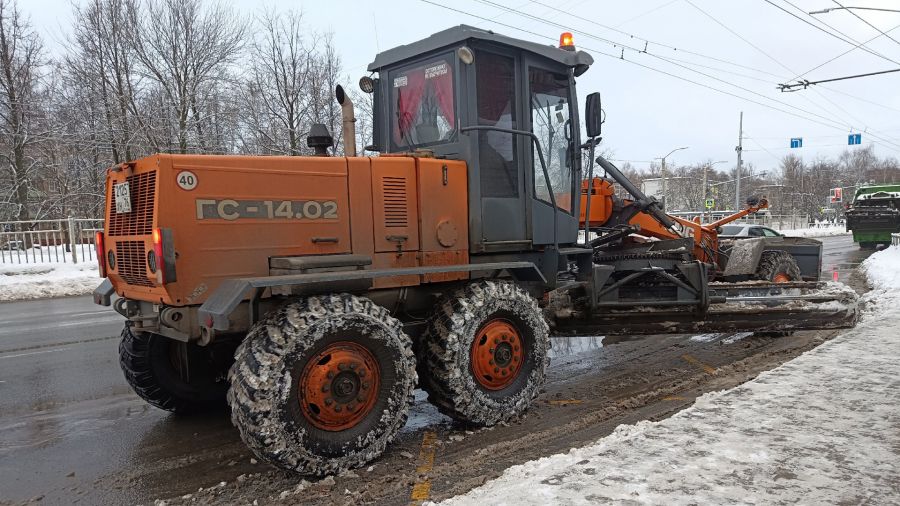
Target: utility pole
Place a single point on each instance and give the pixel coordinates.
(737, 177)
(663, 173)
(703, 210)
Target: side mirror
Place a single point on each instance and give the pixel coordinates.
(593, 115)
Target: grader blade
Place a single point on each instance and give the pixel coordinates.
(736, 307)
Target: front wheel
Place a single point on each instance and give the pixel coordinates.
(322, 384)
(778, 266)
(485, 353)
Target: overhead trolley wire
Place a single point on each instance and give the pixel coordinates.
(866, 22)
(767, 55)
(650, 41)
(851, 41)
(828, 122)
(842, 124)
(760, 50)
(854, 48)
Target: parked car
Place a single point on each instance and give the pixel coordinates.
(738, 231)
(13, 245)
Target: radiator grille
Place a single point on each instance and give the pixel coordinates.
(130, 262)
(395, 211)
(140, 220)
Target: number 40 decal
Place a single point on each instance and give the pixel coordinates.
(186, 180)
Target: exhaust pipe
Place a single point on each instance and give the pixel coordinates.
(348, 118)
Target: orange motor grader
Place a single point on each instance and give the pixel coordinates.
(314, 293)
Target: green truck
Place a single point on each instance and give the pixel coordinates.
(874, 214)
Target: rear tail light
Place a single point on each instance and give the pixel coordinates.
(164, 251)
(100, 247)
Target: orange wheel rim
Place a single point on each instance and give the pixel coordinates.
(781, 278)
(497, 354)
(339, 386)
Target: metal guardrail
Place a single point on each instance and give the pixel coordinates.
(48, 241)
(895, 239)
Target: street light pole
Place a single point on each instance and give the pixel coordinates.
(663, 174)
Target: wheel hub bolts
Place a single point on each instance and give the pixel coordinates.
(343, 386)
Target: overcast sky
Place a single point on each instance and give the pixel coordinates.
(650, 113)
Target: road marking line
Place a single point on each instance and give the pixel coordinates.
(674, 398)
(32, 353)
(64, 343)
(564, 402)
(421, 491)
(692, 360)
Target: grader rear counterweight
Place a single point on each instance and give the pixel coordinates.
(313, 294)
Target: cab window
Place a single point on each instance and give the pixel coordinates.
(768, 232)
(496, 92)
(551, 123)
(423, 112)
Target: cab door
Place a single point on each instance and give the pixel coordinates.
(499, 155)
(552, 116)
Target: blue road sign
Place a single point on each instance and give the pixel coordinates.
(854, 139)
(796, 142)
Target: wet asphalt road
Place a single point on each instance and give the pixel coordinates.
(71, 430)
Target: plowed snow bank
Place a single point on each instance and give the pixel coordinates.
(820, 429)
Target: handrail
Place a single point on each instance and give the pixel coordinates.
(537, 144)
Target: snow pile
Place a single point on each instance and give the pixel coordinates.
(41, 280)
(820, 429)
(883, 271)
(823, 231)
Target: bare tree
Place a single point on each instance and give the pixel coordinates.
(325, 77)
(282, 63)
(21, 52)
(364, 103)
(186, 50)
(102, 62)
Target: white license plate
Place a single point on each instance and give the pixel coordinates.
(122, 194)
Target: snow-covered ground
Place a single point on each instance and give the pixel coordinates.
(823, 428)
(822, 231)
(45, 279)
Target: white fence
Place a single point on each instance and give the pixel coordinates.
(43, 241)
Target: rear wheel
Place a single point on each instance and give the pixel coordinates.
(778, 266)
(322, 384)
(172, 375)
(484, 354)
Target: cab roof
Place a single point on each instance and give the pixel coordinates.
(462, 33)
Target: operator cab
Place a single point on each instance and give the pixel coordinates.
(457, 94)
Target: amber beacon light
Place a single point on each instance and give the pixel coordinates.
(566, 41)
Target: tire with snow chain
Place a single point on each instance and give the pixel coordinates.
(777, 266)
(322, 384)
(172, 375)
(484, 353)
